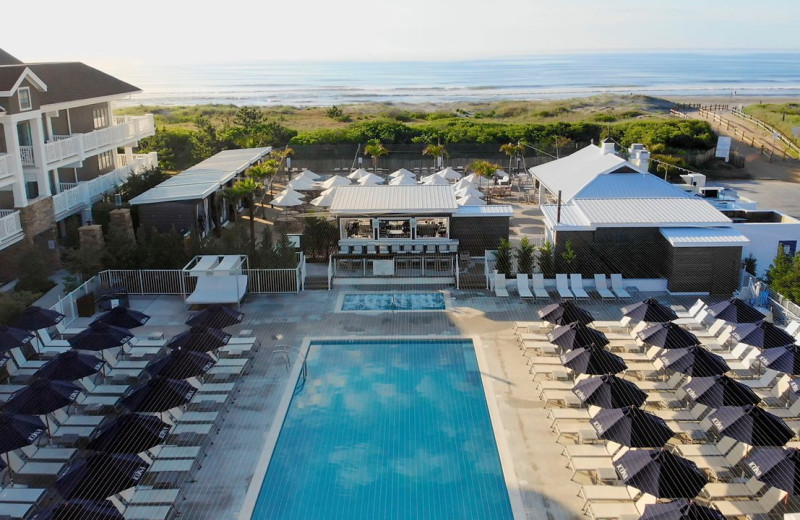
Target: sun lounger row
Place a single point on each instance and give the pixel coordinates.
(571, 287)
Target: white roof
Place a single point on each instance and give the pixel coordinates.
(703, 237)
(204, 178)
(380, 200)
(470, 200)
(491, 210)
(665, 212)
(629, 186)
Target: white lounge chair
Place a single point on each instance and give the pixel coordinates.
(562, 286)
(522, 286)
(537, 280)
(500, 285)
(761, 506)
(618, 286)
(697, 307)
(576, 285)
(601, 286)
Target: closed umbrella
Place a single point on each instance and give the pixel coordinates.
(667, 335)
(776, 467)
(593, 360)
(609, 391)
(762, 334)
(158, 395)
(130, 433)
(101, 475)
(124, 317)
(734, 310)
(717, 391)
(100, 336)
(694, 361)
(217, 316)
(336, 181)
(70, 366)
(784, 359)
(631, 427)
(564, 312)
(17, 431)
(649, 310)
(199, 339)
(181, 364)
(751, 425)
(78, 509)
(12, 337)
(682, 509)
(576, 335)
(660, 473)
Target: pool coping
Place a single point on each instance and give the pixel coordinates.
(271, 439)
(445, 294)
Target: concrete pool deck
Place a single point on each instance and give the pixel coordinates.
(219, 487)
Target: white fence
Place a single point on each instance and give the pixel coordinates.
(68, 304)
(10, 227)
(6, 166)
(759, 293)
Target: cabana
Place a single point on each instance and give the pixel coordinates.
(215, 279)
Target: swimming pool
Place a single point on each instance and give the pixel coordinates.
(394, 429)
(431, 301)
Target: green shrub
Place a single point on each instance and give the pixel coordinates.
(524, 252)
(13, 303)
(503, 258)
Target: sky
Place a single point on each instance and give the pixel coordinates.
(100, 32)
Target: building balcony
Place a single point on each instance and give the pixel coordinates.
(10, 228)
(7, 168)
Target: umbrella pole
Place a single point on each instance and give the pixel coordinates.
(38, 341)
(8, 465)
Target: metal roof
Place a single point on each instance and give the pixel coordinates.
(703, 237)
(490, 210)
(571, 217)
(380, 200)
(629, 186)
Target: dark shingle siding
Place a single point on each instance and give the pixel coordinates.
(69, 81)
(7, 59)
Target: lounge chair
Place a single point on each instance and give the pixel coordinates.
(748, 508)
(562, 286)
(618, 286)
(537, 280)
(576, 285)
(500, 285)
(615, 510)
(698, 306)
(793, 328)
(522, 286)
(601, 286)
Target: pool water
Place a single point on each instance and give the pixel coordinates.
(394, 302)
(394, 430)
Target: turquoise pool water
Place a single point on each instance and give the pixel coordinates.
(394, 430)
(393, 302)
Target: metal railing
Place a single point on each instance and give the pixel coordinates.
(64, 186)
(68, 304)
(26, 155)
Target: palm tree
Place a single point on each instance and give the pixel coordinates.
(262, 174)
(246, 189)
(435, 150)
(513, 150)
(484, 169)
(375, 149)
(281, 157)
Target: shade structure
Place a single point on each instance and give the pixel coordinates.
(784, 359)
(449, 173)
(716, 391)
(751, 425)
(158, 395)
(777, 467)
(593, 360)
(17, 431)
(308, 174)
(286, 200)
(435, 180)
(370, 179)
(694, 361)
(477, 180)
(336, 181)
(301, 184)
(41, 397)
(357, 174)
(660, 473)
(762, 334)
(667, 335)
(100, 336)
(564, 312)
(734, 310)
(681, 509)
(101, 475)
(199, 339)
(181, 364)
(35, 318)
(649, 310)
(468, 190)
(69, 366)
(323, 201)
(130, 433)
(123, 317)
(470, 200)
(576, 335)
(78, 509)
(632, 427)
(12, 337)
(403, 181)
(462, 184)
(609, 391)
(217, 316)
(402, 172)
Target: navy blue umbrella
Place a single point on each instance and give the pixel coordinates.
(734, 310)
(784, 359)
(631, 427)
(576, 335)
(593, 360)
(12, 337)
(649, 310)
(563, 313)
(181, 364)
(667, 335)
(217, 316)
(69, 366)
(101, 475)
(100, 336)
(751, 425)
(762, 334)
(609, 391)
(17, 431)
(776, 467)
(681, 509)
(200, 339)
(78, 509)
(130, 433)
(41, 397)
(716, 391)
(158, 395)
(123, 317)
(660, 473)
(35, 318)
(694, 361)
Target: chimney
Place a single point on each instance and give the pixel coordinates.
(639, 156)
(607, 147)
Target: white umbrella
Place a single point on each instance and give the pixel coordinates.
(309, 174)
(285, 200)
(336, 180)
(501, 173)
(435, 180)
(449, 173)
(301, 183)
(402, 180)
(477, 180)
(370, 179)
(470, 200)
(324, 201)
(358, 174)
(290, 192)
(329, 190)
(469, 190)
(463, 183)
(402, 172)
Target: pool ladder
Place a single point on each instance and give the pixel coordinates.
(285, 352)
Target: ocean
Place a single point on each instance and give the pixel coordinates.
(523, 78)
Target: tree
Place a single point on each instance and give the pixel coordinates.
(484, 169)
(524, 253)
(375, 150)
(204, 140)
(34, 272)
(546, 260)
(137, 184)
(263, 174)
(320, 237)
(503, 258)
(246, 189)
(568, 255)
(282, 156)
(121, 251)
(436, 151)
(749, 264)
(512, 150)
(85, 261)
(779, 268)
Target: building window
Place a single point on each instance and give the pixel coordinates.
(100, 118)
(105, 160)
(24, 95)
(32, 189)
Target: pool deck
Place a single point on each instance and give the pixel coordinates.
(219, 487)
